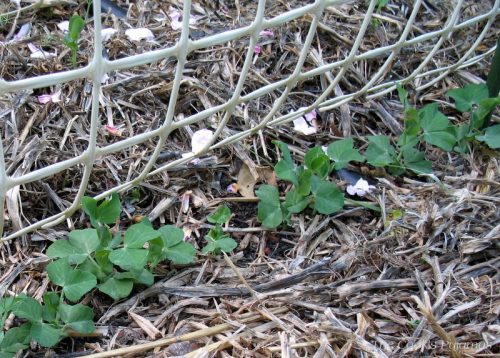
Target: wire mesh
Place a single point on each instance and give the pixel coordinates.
(378, 85)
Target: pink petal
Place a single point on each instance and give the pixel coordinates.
(233, 188)
(112, 130)
(311, 115)
(46, 98)
(267, 33)
(257, 49)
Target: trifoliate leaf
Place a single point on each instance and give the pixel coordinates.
(342, 152)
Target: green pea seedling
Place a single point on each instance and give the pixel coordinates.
(45, 324)
(76, 25)
(217, 239)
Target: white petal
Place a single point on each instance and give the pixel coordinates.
(63, 26)
(200, 139)
(23, 32)
(351, 190)
(39, 53)
(107, 33)
(300, 125)
(139, 34)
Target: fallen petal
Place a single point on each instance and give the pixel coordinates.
(139, 34)
(107, 33)
(46, 98)
(233, 188)
(257, 49)
(39, 53)
(63, 26)
(23, 32)
(113, 130)
(267, 33)
(200, 139)
(302, 126)
(310, 116)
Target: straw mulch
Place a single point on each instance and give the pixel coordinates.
(421, 277)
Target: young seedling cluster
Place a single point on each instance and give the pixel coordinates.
(218, 240)
(311, 187)
(45, 324)
(97, 257)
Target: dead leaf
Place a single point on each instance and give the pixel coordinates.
(146, 326)
(246, 182)
(267, 175)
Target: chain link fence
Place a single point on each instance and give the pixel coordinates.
(422, 75)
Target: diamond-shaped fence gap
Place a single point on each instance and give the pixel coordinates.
(136, 102)
(45, 199)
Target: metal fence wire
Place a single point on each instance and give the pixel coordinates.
(424, 74)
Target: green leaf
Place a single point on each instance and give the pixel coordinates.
(182, 253)
(269, 207)
(468, 96)
(486, 106)
(145, 278)
(16, 338)
(85, 241)
(304, 187)
(117, 289)
(226, 244)
(45, 334)
(137, 235)
(415, 161)
(89, 206)
(285, 169)
(316, 160)
(210, 247)
(75, 27)
(220, 216)
(327, 197)
(77, 317)
(491, 136)
(409, 138)
(342, 152)
(403, 97)
(75, 283)
(437, 128)
(51, 302)
(129, 259)
(380, 152)
(107, 212)
(28, 308)
(295, 202)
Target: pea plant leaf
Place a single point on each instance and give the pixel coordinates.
(173, 246)
(129, 259)
(117, 288)
(380, 152)
(220, 216)
(138, 234)
(437, 129)
(107, 212)
(295, 202)
(269, 207)
(318, 162)
(414, 160)
(342, 152)
(28, 308)
(286, 169)
(45, 334)
(327, 196)
(491, 136)
(77, 317)
(469, 96)
(77, 248)
(75, 283)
